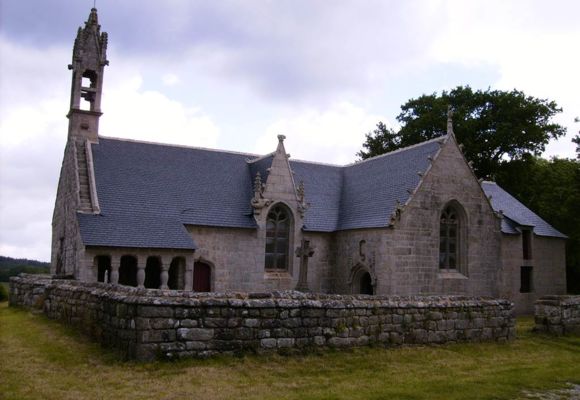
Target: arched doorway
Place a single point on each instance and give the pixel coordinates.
(103, 264)
(362, 280)
(366, 284)
(128, 271)
(153, 273)
(176, 279)
(201, 277)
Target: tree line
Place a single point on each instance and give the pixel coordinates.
(504, 134)
(14, 266)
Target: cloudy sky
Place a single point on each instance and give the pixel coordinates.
(234, 74)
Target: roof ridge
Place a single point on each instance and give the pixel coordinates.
(182, 146)
(436, 139)
(260, 158)
(317, 163)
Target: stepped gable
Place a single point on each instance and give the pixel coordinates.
(516, 214)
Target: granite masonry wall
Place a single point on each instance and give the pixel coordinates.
(146, 324)
(558, 315)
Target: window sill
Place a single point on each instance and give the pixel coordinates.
(451, 275)
(276, 274)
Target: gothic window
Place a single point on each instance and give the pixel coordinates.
(450, 227)
(277, 238)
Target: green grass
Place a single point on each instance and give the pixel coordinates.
(42, 359)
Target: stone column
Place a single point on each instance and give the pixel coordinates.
(115, 264)
(141, 263)
(189, 261)
(165, 263)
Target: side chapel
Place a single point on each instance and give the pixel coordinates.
(415, 221)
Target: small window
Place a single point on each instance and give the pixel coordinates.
(277, 238)
(526, 279)
(527, 244)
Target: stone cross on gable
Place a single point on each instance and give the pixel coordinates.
(304, 252)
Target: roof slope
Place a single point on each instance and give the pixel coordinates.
(372, 188)
(517, 214)
(159, 188)
(148, 192)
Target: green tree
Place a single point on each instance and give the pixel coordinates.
(576, 139)
(493, 125)
(552, 189)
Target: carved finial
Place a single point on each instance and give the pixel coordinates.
(450, 120)
(258, 201)
(300, 192)
(281, 138)
(420, 173)
(258, 187)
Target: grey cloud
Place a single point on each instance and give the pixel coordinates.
(285, 49)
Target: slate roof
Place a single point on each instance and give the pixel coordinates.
(517, 215)
(149, 192)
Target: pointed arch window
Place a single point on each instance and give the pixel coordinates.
(452, 239)
(278, 226)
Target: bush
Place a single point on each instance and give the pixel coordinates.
(3, 293)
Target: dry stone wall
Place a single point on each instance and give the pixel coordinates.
(558, 315)
(147, 324)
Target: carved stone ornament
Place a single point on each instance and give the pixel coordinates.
(258, 201)
(302, 205)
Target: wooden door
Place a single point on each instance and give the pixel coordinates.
(201, 277)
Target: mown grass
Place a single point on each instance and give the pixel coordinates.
(42, 359)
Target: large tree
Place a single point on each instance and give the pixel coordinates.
(552, 189)
(493, 125)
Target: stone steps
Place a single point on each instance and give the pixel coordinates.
(84, 183)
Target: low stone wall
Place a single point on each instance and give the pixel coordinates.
(558, 315)
(147, 324)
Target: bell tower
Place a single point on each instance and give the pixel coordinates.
(88, 65)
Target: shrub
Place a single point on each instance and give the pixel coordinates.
(3, 293)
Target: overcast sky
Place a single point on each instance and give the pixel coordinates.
(234, 74)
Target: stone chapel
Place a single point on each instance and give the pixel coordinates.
(415, 221)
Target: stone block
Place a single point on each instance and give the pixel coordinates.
(195, 334)
(155, 311)
(268, 343)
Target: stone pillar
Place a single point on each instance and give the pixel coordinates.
(189, 261)
(165, 263)
(141, 263)
(115, 265)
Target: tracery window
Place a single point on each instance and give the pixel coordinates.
(449, 227)
(277, 238)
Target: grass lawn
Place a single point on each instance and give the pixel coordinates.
(41, 359)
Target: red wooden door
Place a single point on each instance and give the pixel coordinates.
(201, 277)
